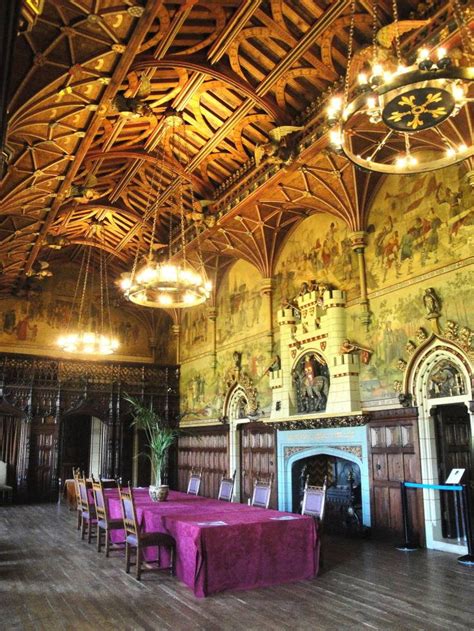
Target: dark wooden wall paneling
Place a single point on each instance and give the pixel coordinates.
(258, 459)
(394, 454)
(47, 390)
(206, 449)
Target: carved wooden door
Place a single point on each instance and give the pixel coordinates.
(394, 457)
(454, 448)
(258, 459)
(43, 463)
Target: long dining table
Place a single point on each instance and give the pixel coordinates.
(222, 545)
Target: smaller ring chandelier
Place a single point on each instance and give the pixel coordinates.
(89, 331)
(396, 118)
(161, 281)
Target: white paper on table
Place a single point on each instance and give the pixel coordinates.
(284, 518)
(212, 523)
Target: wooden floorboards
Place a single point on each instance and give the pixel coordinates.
(50, 579)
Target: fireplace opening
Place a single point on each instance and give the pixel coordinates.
(344, 498)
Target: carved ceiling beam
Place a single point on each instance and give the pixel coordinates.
(172, 167)
(305, 43)
(142, 28)
(93, 243)
(328, 73)
(238, 21)
(225, 75)
(66, 213)
(178, 20)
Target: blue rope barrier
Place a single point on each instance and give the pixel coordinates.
(436, 487)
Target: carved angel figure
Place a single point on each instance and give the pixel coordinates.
(276, 150)
(385, 39)
(131, 102)
(199, 217)
(84, 193)
(40, 270)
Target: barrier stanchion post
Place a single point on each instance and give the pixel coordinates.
(407, 545)
(467, 559)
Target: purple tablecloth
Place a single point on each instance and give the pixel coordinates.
(226, 545)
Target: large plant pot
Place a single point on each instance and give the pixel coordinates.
(159, 493)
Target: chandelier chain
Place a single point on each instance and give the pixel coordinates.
(76, 289)
(397, 32)
(466, 38)
(84, 288)
(349, 53)
(374, 33)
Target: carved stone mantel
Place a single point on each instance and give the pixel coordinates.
(355, 420)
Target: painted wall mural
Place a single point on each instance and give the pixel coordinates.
(319, 248)
(419, 224)
(32, 324)
(196, 331)
(396, 318)
(203, 387)
(240, 308)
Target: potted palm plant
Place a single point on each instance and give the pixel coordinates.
(160, 438)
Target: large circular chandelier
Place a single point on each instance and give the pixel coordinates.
(89, 330)
(395, 117)
(160, 278)
(166, 284)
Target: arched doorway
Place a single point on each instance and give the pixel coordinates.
(439, 380)
(235, 408)
(82, 445)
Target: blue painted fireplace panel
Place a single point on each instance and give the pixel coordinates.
(343, 442)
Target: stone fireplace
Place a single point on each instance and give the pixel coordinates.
(344, 450)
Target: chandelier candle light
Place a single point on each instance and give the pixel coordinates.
(399, 118)
(159, 280)
(88, 335)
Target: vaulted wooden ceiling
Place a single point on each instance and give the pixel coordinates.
(91, 87)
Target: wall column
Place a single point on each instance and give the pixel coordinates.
(266, 291)
(176, 331)
(359, 243)
(212, 315)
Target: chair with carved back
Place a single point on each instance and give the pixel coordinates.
(262, 491)
(314, 501)
(194, 482)
(5, 489)
(105, 523)
(88, 514)
(226, 488)
(76, 475)
(136, 538)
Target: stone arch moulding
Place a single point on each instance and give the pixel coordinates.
(430, 353)
(239, 386)
(418, 385)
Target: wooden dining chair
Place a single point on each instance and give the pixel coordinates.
(262, 491)
(226, 488)
(88, 514)
(194, 482)
(314, 501)
(136, 538)
(5, 489)
(76, 474)
(105, 523)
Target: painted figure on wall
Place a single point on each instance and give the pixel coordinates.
(445, 380)
(320, 247)
(240, 309)
(419, 224)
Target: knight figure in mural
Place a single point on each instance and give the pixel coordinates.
(311, 378)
